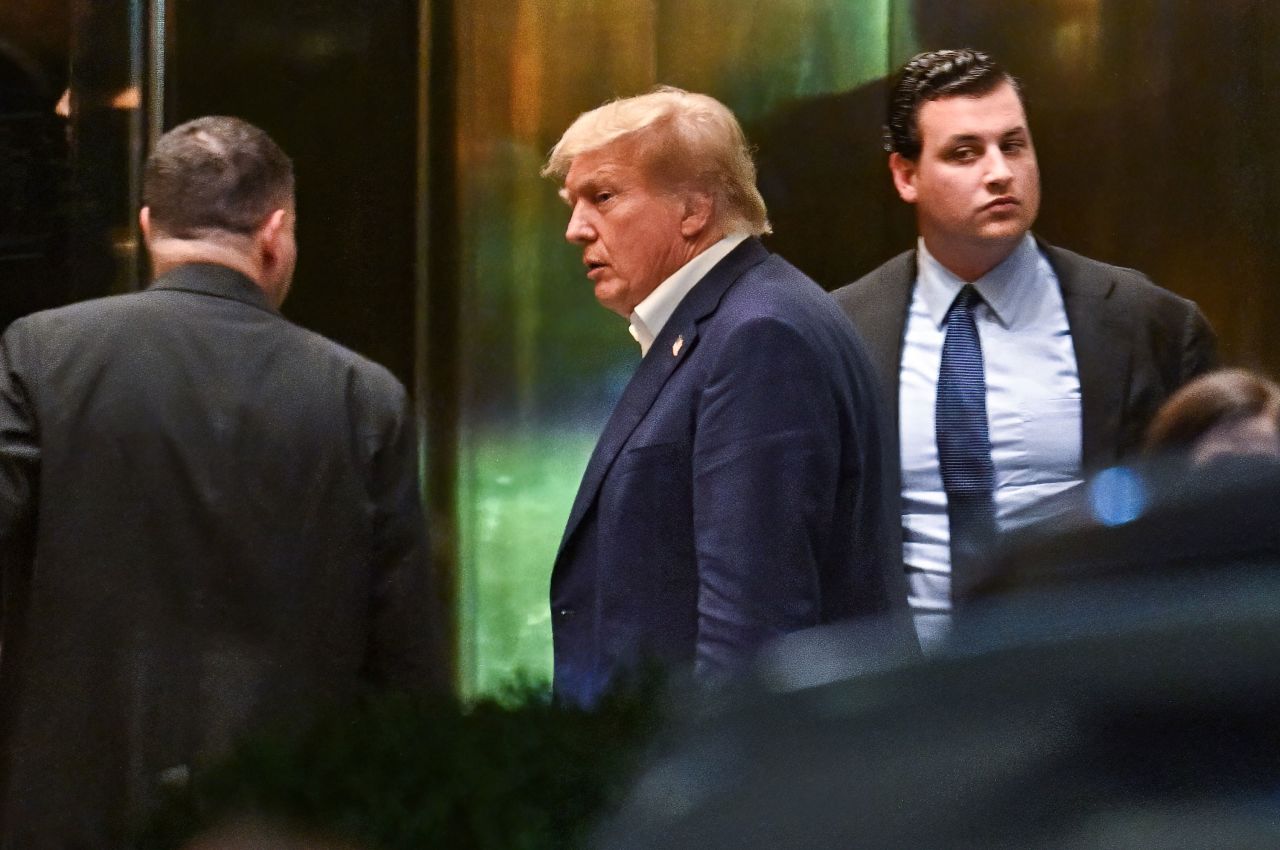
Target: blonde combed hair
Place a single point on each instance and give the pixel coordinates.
(687, 139)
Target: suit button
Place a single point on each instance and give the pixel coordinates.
(564, 613)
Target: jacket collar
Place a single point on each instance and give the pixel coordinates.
(216, 280)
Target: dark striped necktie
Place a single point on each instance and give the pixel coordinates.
(964, 444)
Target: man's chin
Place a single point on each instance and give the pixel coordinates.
(613, 300)
(1009, 231)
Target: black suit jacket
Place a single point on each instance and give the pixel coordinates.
(737, 492)
(210, 521)
(1135, 344)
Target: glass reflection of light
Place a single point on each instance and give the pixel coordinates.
(1077, 39)
(1117, 496)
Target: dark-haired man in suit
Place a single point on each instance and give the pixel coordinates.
(209, 516)
(1012, 367)
(737, 492)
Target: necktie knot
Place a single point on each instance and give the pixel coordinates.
(966, 300)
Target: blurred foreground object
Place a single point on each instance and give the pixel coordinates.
(1133, 709)
(403, 774)
(1148, 521)
(263, 835)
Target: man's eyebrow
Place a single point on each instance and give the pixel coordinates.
(587, 187)
(962, 138)
(970, 138)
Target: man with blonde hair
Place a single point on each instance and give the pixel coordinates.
(736, 493)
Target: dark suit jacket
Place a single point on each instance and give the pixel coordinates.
(1135, 344)
(737, 492)
(210, 520)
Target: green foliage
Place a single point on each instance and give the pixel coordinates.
(517, 772)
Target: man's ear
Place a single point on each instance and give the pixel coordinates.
(904, 176)
(698, 207)
(144, 223)
(269, 235)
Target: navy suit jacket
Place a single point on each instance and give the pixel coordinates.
(738, 490)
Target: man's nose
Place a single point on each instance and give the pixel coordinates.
(579, 231)
(998, 170)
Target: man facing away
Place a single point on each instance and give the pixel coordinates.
(1013, 367)
(209, 517)
(736, 493)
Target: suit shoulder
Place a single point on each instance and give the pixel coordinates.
(1080, 264)
(777, 290)
(1130, 283)
(48, 333)
(94, 310)
(871, 285)
(778, 302)
(368, 373)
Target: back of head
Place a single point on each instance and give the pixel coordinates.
(1218, 403)
(215, 175)
(686, 140)
(932, 76)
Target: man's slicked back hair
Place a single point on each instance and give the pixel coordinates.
(932, 76)
(215, 175)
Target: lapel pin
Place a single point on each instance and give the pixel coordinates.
(676, 346)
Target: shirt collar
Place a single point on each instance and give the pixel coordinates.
(653, 313)
(1003, 288)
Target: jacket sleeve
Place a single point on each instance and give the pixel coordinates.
(766, 467)
(407, 648)
(19, 466)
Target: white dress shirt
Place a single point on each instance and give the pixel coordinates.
(1033, 411)
(651, 314)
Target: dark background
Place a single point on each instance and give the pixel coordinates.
(429, 243)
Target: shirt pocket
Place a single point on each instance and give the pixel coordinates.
(1049, 438)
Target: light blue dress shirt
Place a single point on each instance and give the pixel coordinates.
(1033, 411)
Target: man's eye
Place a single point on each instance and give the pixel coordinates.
(601, 197)
(1013, 146)
(964, 154)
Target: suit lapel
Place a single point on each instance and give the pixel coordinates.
(656, 367)
(1103, 344)
(882, 323)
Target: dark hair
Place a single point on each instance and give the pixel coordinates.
(215, 174)
(1218, 398)
(931, 76)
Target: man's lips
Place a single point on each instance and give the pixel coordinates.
(1004, 202)
(594, 268)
